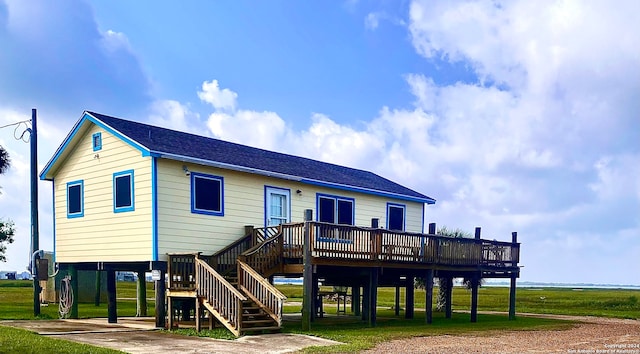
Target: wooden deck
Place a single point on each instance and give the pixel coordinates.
(342, 245)
(232, 284)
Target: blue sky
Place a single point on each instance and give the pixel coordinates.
(516, 116)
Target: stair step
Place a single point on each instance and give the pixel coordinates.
(256, 315)
(254, 329)
(266, 320)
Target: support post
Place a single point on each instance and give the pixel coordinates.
(432, 228)
(112, 308)
(409, 298)
(428, 286)
(73, 273)
(366, 299)
(512, 288)
(160, 299)
(355, 300)
(373, 296)
(198, 315)
(318, 308)
(35, 237)
(397, 305)
(98, 288)
(474, 298)
(141, 305)
(448, 296)
(308, 302)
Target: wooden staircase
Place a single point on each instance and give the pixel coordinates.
(241, 299)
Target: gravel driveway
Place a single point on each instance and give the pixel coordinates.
(591, 335)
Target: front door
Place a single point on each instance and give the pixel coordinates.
(277, 206)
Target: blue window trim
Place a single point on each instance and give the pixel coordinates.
(96, 146)
(404, 215)
(194, 210)
(81, 213)
(266, 202)
(336, 198)
(133, 194)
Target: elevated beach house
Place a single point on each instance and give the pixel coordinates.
(220, 219)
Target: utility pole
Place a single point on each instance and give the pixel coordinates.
(35, 238)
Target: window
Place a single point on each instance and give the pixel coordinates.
(123, 194)
(75, 196)
(395, 216)
(335, 210)
(96, 141)
(207, 194)
(276, 206)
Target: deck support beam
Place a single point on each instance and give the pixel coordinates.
(366, 300)
(397, 305)
(73, 273)
(308, 302)
(512, 288)
(448, 296)
(475, 283)
(409, 297)
(428, 286)
(160, 299)
(373, 296)
(112, 306)
(141, 305)
(355, 300)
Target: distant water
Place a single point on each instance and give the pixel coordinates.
(523, 284)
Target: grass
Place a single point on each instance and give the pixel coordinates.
(16, 302)
(13, 340)
(615, 303)
(357, 336)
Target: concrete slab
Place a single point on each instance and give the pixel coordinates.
(138, 336)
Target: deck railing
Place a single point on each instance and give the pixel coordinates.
(265, 256)
(261, 291)
(181, 270)
(264, 233)
(224, 261)
(360, 243)
(221, 296)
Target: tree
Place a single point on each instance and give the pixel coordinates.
(4, 160)
(441, 299)
(443, 284)
(7, 229)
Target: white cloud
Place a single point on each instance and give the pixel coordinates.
(224, 99)
(174, 115)
(372, 20)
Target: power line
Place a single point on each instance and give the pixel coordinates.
(16, 123)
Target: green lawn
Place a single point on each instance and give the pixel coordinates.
(15, 303)
(13, 340)
(617, 303)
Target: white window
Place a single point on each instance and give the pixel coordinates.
(277, 206)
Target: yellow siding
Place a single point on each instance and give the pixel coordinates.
(101, 234)
(179, 230)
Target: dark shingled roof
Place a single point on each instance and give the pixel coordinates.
(166, 141)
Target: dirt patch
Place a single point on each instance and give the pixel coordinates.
(591, 335)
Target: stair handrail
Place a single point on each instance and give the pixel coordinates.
(263, 293)
(227, 300)
(253, 250)
(214, 259)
